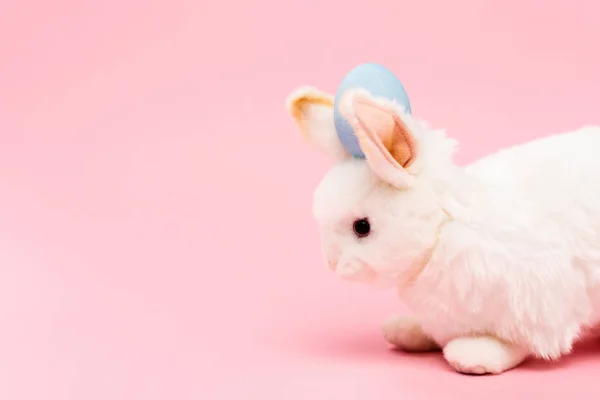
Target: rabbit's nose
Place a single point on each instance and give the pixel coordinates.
(332, 264)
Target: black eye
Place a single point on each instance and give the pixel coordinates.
(362, 227)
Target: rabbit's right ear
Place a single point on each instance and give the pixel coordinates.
(313, 112)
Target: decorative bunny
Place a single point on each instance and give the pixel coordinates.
(499, 261)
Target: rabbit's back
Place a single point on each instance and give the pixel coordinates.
(555, 177)
(566, 155)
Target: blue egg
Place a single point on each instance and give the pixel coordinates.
(377, 80)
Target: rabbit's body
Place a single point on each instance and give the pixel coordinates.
(498, 261)
(523, 262)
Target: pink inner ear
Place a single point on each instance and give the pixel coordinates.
(386, 131)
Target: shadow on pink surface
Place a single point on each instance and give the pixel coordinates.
(366, 346)
(587, 352)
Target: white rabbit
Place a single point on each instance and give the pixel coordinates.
(499, 261)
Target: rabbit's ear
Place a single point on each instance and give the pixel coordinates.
(313, 112)
(384, 138)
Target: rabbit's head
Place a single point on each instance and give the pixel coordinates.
(380, 216)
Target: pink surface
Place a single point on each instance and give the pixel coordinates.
(156, 240)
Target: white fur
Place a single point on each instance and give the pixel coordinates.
(407, 334)
(499, 260)
(482, 355)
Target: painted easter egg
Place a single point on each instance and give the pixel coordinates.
(378, 81)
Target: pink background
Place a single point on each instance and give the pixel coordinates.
(156, 240)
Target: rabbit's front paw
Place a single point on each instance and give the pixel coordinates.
(482, 355)
(406, 333)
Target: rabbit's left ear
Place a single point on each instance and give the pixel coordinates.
(384, 138)
(313, 112)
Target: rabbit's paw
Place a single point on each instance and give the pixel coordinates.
(406, 333)
(482, 355)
